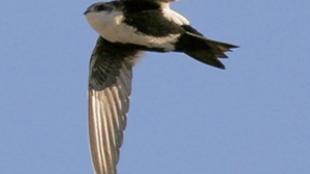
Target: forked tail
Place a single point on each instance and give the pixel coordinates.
(204, 50)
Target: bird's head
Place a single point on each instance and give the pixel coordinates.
(102, 14)
(100, 7)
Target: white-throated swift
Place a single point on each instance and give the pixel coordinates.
(126, 28)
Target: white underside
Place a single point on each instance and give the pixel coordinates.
(111, 27)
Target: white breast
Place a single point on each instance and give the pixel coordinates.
(111, 27)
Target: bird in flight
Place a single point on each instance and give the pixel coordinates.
(127, 28)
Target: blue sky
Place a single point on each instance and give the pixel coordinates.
(185, 117)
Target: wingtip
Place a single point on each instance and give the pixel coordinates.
(234, 46)
(219, 65)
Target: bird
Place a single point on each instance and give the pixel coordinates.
(126, 29)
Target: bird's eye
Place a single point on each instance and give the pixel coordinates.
(101, 8)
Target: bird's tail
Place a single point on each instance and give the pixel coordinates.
(205, 50)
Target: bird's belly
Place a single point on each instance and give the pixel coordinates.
(124, 33)
(166, 43)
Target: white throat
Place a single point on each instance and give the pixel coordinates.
(105, 22)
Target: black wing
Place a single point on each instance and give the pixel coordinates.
(109, 91)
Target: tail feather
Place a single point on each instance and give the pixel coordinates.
(206, 57)
(204, 50)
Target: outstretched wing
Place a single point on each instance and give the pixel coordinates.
(109, 91)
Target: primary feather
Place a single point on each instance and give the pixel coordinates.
(109, 91)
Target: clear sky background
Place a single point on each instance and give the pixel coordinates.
(185, 117)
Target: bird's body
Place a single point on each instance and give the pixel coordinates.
(127, 27)
(155, 27)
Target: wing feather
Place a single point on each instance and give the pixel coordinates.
(109, 91)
